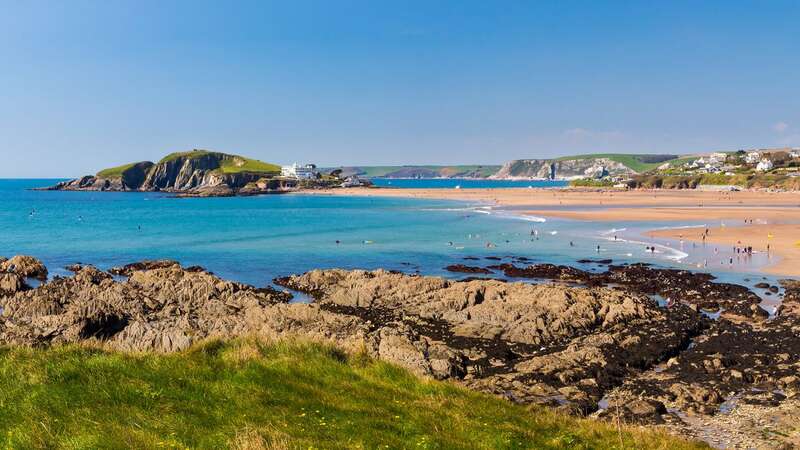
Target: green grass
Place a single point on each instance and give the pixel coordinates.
(633, 162)
(115, 172)
(229, 164)
(249, 394)
(249, 165)
(193, 153)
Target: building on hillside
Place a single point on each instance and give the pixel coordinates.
(752, 157)
(764, 165)
(795, 153)
(717, 158)
(304, 172)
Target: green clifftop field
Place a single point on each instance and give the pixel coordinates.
(637, 163)
(228, 163)
(246, 394)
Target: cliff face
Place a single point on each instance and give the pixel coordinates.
(185, 172)
(526, 168)
(561, 169)
(192, 173)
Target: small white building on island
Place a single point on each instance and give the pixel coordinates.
(303, 172)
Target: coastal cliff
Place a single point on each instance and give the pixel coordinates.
(194, 173)
(561, 169)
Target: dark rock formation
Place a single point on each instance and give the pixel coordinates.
(461, 268)
(693, 288)
(530, 343)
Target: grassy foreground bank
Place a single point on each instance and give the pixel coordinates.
(251, 395)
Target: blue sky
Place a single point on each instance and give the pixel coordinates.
(85, 85)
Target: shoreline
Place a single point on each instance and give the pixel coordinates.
(778, 211)
(781, 241)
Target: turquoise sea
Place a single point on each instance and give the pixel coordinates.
(255, 239)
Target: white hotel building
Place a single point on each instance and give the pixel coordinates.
(305, 172)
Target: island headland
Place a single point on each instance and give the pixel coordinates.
(198, 173)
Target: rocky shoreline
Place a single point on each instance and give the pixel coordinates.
(632, 342)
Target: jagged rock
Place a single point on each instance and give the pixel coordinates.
(549, 344)
(461, 268)
(25, 266)
(697, 289)
(11, 283)
(164, 309)
(127, 270)
(513, 338)
(638, 411)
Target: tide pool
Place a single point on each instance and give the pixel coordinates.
(255, 239)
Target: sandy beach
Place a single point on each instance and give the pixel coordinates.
(566, 199)
(775, 214)
(783, 241)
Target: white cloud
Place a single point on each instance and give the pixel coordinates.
(780, 127)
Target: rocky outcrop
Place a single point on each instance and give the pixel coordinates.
(24, 266)
(163, 309)
(11, 283)
(531, 343)
(195, 174)
(577, 348)
(699, 290)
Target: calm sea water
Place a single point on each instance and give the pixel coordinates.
(464, 183)
(254, 239)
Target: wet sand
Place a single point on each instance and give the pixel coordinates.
(776, 213)
(783, 241)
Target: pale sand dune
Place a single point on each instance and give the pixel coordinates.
(781, 211)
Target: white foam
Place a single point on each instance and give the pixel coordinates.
(668, 252)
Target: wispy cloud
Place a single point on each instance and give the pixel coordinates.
(780, 127)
